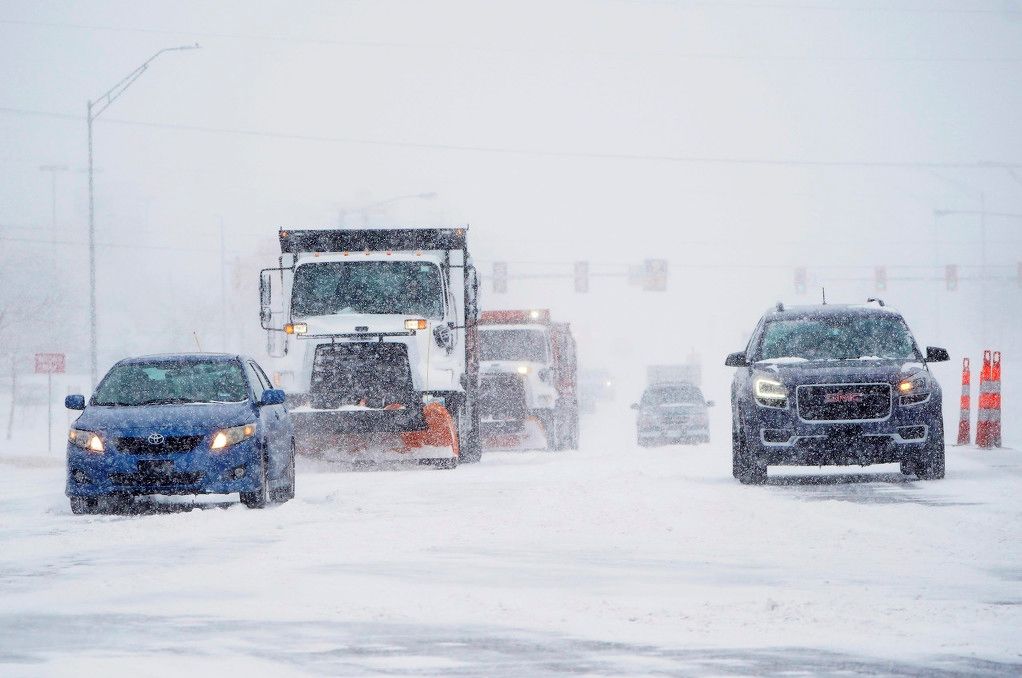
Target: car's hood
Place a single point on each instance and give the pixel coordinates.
(166, 419)
(873, 371)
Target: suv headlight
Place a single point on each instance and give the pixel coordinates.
(770, 392)
(87, 440)
(915, 389)
(224, 438)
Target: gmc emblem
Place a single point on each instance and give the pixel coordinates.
(842, 397)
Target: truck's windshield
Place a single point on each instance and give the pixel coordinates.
(527, 345)
(368, 287)
(172, 381)
(838, 337)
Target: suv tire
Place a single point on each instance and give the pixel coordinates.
(929, 464)
(744, 466)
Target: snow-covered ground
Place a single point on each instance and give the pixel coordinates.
(606, 561)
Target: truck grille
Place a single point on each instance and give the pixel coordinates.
(844, 402)
(502, 397)
(374, 374)
(170, 445)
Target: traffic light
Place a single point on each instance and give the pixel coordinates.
(880, 278)
(655, 278)
(500, 277)
(951, 277)
(801, 280)
(581, 276)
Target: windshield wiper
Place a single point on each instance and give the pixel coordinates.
(165, 401)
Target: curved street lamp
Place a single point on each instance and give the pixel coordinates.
(95, 109)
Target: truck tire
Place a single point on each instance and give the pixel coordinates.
(470, 447)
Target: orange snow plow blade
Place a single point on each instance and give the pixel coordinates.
(439, 433)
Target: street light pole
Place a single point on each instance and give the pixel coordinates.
(53, 169)
(94, 109)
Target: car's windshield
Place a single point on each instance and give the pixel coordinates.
(368, 287)
(172, 381)
(527, 345)
(838, 337)
(677, 394)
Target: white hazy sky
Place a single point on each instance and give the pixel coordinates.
(749, 135)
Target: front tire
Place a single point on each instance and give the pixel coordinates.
(261, 496)
(929, 464)
(744, 465)
(84, 505)
(470, 446)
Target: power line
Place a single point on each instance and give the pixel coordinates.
(659, 54)
(506, 150)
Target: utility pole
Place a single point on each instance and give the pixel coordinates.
(93, 110)
(223, 288)
(53, 169)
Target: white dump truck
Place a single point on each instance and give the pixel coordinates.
(528, 380)
(373, 335)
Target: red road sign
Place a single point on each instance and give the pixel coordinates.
(49, 363)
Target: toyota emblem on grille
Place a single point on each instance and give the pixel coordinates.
(156, 439)
(842, 397)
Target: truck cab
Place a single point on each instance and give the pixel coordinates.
(528, 370)
(368, 325)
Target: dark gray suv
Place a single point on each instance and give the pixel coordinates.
(839, 385)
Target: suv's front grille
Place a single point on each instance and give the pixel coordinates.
(168, 445)
(844, 402)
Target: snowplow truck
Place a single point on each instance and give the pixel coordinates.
(374, 334)
(528, 380)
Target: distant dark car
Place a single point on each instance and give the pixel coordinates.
(673, 412)
(181, 424)
(838, 385)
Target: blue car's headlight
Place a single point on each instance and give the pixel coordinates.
(770, 392)
(86, 440)
(224, 438)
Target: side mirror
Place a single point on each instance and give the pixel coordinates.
(936, 355)
(265, 295)
(635, 406)
(272, 396)
(444, 337)
(75, 402)
(736, 360)
(710, 403)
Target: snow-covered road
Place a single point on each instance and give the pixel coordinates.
(606, 561)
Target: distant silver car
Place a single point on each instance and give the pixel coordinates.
(672, 412)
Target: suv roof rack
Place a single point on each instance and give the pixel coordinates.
(877, 300)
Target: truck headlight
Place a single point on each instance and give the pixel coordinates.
(522, 369)
(914, 389)
(770, 392)
(87, 440)
(224, 438)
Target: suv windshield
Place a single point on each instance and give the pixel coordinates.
(838, 337)
(368, 287)
(676, 394)
(172, 381)
(528, 345)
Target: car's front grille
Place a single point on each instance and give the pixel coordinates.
(147, 479)
(158, 445)
(844, 402)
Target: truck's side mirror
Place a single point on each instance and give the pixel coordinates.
(635, 406)
(935, 354)
(75, 402)
(444, 337)
(265, 295)
(736, 360)
(710, 403)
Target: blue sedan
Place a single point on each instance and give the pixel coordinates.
(181, 424)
